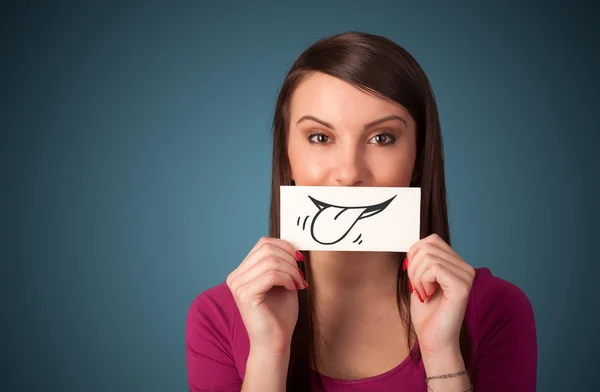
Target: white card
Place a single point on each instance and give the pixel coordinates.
(350, 218)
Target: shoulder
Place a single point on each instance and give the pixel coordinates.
(492, 295)
(216, 351)
(217, 297)
(213, 313)
(498, 312)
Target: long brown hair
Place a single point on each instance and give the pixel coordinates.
(377, 66)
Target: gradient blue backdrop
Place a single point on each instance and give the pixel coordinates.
(135, 161)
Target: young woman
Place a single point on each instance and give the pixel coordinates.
(357, 110)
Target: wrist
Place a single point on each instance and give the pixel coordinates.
(269, 355)
(446, 362)
(266, 370)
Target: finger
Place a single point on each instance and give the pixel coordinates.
(454, 287)
(414, 249)
(433, 239)
(416, 267)
(424, 261)
(271, 264)
(283, 244)
(429, 248)
(438, 241)
(265, 250)
(437, 248)
(429, 242)
(253, 292)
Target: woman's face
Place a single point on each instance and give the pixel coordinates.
(341, 136)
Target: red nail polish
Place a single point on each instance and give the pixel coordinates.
(301, 274)
(410, 286)
(425, 292)
(405, 264)
(300, 256)
(296, 285)
(420, 299)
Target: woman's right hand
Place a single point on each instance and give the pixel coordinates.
(264, 287)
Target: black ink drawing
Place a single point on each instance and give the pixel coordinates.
(325, 231)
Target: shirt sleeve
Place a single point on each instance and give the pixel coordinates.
(506, 357)
(209, 355)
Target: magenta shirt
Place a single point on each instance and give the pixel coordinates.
(499, 320)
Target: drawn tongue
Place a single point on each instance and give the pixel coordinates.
(333, 223)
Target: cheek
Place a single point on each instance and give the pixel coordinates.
(392, 169)
(308, 164)
(308, 167)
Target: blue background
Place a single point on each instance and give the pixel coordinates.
(135, 160)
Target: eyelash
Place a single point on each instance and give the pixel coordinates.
(386, 134)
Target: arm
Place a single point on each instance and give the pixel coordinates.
(448, 363)
(209, 355)
(266, 372)
(506, 358)
(209, 358)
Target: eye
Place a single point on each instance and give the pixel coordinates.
(383, 139)
(319, 138)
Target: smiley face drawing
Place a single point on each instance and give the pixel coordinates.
(332, 223)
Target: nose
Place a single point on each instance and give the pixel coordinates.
(349, 167)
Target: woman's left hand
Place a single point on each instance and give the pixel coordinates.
(441, 283)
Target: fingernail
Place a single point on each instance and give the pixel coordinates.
(405, 264)
(296, 285)
(410, 286)
(420, 298)
(300, 256)
(425, 292)
(303, 280)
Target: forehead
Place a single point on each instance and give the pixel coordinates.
(336, 101)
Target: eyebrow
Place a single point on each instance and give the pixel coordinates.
(367, 126)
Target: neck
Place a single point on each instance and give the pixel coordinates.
(360, 276)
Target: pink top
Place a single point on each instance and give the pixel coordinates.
(499, 321)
